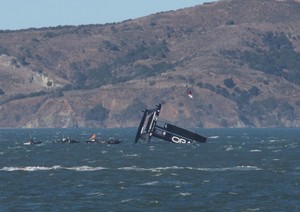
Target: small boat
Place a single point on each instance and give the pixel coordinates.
(110, 141)
(68, 140)
(94, 139)
(31, 142)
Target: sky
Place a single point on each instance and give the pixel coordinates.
(23, 14)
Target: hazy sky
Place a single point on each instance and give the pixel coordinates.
(23, 14)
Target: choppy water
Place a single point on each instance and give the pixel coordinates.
(236, 170)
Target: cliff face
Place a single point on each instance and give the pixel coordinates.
(240, 59)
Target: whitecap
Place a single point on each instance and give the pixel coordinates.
(292, 145)
(30, 168)
(185, 194)
(255, 150)
(150, 183)
(56, 167)
(160, 169)
(131, 168)
(228, 148)
(154, 202)
(96, 194)
(132, 155)
(155, 169)
(214, 137)
(234, 168)
(127, 200)
(85, 168)
(170, 168)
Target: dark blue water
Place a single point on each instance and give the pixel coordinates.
(236, 170)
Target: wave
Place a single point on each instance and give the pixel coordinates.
(85, 168)
(131, 155)
(133, 168)
(255, 150)
(234, 168)
(185, 194)
(127, 200)
(229, 148)
(150, 183)
(45, 168)
(159, 169)
(30, 168)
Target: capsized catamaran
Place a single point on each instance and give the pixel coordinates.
(151, 126)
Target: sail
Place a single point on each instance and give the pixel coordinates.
(94, 136)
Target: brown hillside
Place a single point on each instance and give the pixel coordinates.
(240, 58)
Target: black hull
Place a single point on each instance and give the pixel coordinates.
(151, 126)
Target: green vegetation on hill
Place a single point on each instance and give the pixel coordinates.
(276, 57)
(97, 113)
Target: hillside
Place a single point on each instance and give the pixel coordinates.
(240, 58)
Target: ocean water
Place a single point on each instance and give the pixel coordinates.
(236, 170)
